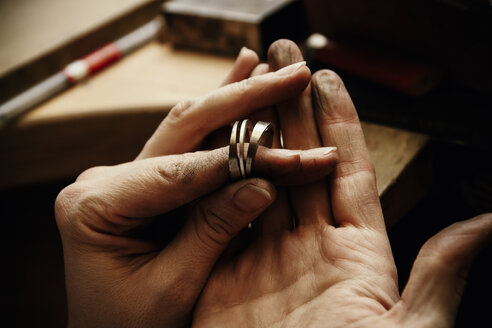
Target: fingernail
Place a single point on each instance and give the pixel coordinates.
(291, 69)
(252, 198)
(313, 152)
(243, 49)
(320, 152)
(284, 152)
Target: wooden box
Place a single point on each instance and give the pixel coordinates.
(224, 26)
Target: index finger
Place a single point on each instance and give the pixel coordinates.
(354, 193)
(188, 123)
(149, 187)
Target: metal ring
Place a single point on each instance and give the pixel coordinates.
(244, 136)
(233, 158)
(262, 135)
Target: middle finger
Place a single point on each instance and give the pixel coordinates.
(310, 202)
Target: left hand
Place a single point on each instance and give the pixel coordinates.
(335, 268)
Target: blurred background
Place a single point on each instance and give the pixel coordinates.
(420, 68)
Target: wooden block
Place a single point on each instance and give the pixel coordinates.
(224, 26)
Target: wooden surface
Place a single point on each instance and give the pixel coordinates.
(55, 23)
(107, 120)
(38, 38)
(153, 78)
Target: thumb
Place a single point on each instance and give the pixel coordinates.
(437, 279)
(157, 185)
(214, 221)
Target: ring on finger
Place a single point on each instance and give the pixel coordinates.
(262, 135)
(242, 133)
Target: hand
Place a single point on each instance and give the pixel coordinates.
(125, 265)
(335, 267)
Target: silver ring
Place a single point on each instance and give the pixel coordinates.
(262, 135)
(244, 136)
(242, 133)
(233, 159)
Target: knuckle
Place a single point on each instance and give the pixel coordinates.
(178, 112)
(366, 167)
(178, 172)
(92, 172)
(434, 255)
(215, 229)
(65, 204)
(250, 92)
(77, 206)
(260, 69)
(243, 87)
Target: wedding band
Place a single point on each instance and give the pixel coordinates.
(262, 135)
(244, 136)
(243, 133)
(233, 158)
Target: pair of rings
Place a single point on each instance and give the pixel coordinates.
(244, 143)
